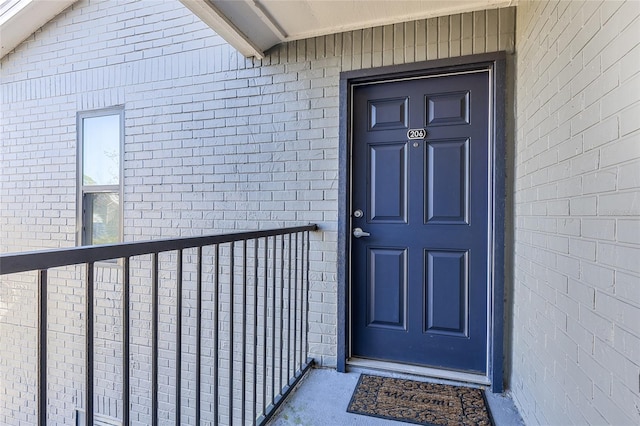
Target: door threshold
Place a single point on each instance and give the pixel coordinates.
(415, 370)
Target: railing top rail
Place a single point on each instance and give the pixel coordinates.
(12, 263)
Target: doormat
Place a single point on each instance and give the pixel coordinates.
(418, 402)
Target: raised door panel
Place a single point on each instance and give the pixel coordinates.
(387, 293)
(448, 109)
(447, 182)
(388, 114)
(447, 290)
(388, 183)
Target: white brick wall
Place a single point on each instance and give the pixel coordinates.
(213, 142)
(576, 336)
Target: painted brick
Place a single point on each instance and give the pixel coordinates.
(600, 182)
(624, 314)
(619, 256)
(583, 249)
(598, 277)
(628, 231)
(619, 204)
(586, 206)
(628, 123)
(585, 163)
(626, 343)
(569, 226)
(600, 229)
(629, 176)
(575, 101)
(570, 148)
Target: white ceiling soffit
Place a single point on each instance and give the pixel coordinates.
(254, 26)
(21, 18)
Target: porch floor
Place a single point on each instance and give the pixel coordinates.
(322, 397)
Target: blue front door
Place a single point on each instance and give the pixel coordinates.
(420, 277)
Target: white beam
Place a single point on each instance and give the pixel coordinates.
(211, 16)
(21, 18)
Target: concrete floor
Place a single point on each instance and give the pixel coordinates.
(322, 397)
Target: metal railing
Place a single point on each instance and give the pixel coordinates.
(257, 317)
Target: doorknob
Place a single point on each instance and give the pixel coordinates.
(359, 233)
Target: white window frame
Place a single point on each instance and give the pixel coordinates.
(83, 225)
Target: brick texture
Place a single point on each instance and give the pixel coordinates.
(576, 337)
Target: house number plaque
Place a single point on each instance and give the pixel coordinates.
(416, 134)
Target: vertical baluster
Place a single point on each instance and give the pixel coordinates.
(256, 243)
(42, 346)
(231, 284)
(264, 325)
(273, 321)
(178, 337)
(295, 307)
(288, 376)
(302, 335)
(89, 344)
(154, 339)
(281, 309)
(126, 332)
(198, 331)
(244, 332)
(216, 342)
(306, 296)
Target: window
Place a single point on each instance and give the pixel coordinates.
(100, 146)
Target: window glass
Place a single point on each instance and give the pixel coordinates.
(101, 150)
(103, 208)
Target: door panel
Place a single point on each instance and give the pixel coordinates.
(447, 184)
(447, 290)
(448, 109)
(419, 281)
(388, 288)
(388, 195)
(386, 114)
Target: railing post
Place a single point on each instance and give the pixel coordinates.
(126, 328)
(295, 306)
(306, 295)
(154, 339)
(281, 307)
(264, 323)
(42, 347)
(303, 358)
(273, 320)
(302, 245)
(256, 243)
(198, 331)
(89, 344)
(178, 402)
(243, 371)
(216, 337)
(231, 321)
(289, 313)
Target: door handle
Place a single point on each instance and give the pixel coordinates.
(359, 233)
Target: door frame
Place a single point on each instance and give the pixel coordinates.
(495, 63)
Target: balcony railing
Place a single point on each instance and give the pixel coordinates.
(208, 330)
